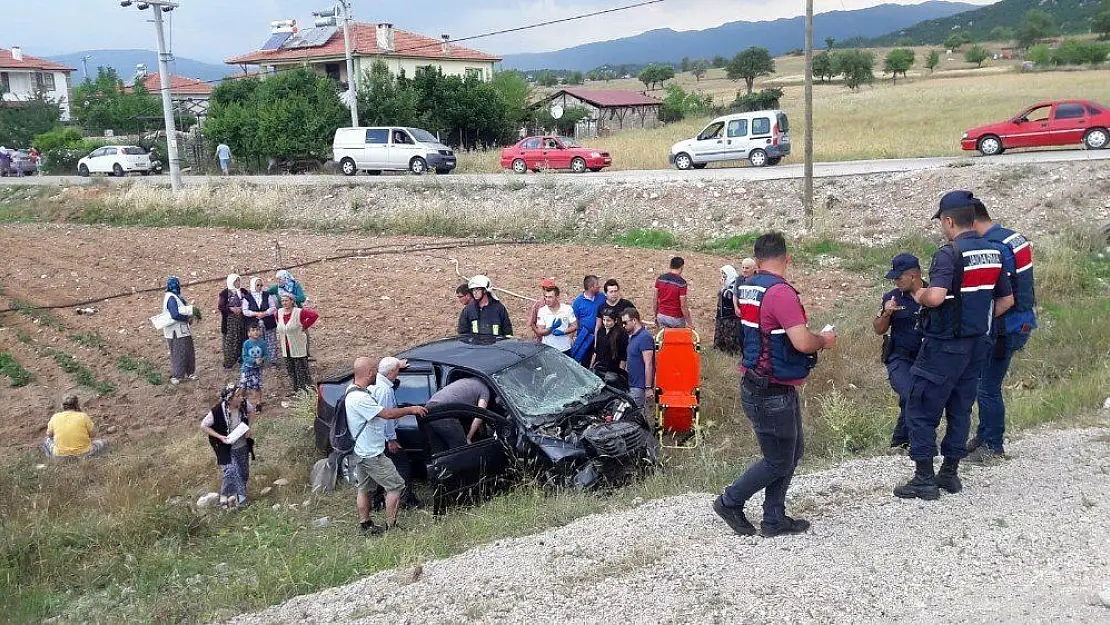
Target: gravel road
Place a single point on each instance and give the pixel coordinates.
(1026, 542)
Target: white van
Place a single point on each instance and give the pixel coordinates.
(761, 138)
(390, 148)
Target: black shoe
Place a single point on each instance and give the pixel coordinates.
(948, 478)
(920, 487)
(734, 517)
(973, 444)
(984, 455)
(787, 526)
(369, 528)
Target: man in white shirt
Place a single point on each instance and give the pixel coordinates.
(555, 322)
(366, 419)
(389, 368)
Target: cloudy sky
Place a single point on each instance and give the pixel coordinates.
(212, 30)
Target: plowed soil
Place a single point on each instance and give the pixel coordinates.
(369, 305)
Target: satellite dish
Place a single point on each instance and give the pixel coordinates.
(557, 111)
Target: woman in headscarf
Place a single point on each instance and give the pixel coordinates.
(232, 325)
(283, 281)
(259, 307)
(292, 324)
(233, 455)
(726, 336)
(179, 335)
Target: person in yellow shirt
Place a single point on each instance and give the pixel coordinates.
(70, 433)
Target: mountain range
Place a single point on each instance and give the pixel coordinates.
(779, 36)
(124, 62)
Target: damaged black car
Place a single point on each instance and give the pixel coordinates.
(548, 419)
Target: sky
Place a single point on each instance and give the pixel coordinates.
(213, 30)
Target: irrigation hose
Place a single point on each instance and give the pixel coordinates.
(506, 291)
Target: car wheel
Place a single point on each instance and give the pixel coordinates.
(83, 171)
(758, 158)
(578, 165)
(348, 167)
(990, 145)
(519, 166)
(684, 162)
(117, 171)
(418, 166)
(1096, 139)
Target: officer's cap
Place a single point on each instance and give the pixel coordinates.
(954, 200)
(901, 264)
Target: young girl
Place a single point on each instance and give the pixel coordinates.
(292, 324)
(234, 459)
(254, 356)
(611, 351)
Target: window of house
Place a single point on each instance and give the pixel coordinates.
(474, 72)
(332, 71)
(44, 81)
(5, 82)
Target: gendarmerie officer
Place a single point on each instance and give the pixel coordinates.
(898, 317)
(966, 291)
(1010, 334)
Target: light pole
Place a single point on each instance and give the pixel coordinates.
(160, 7)
(807, 199)
(331, 17)
(85, 64)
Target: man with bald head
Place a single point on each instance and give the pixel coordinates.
(366, 420)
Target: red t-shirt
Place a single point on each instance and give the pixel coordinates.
(671, 288)
(781, 309)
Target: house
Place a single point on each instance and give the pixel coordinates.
(610, 110)
(322, 49)
(22, 77)
(189, 95)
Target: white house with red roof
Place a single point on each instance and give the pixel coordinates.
(322, 49)
(22, 77)
(189, 95)
(610, 110)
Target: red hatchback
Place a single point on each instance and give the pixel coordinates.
(1063, 122)
(551, 152)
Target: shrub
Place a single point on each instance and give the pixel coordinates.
(679, 104)
(1080, 52)
(1040, 55)
(759, 101)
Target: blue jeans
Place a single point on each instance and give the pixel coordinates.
(945, 380)
(898, 372)
(777, 421)
(992, 408)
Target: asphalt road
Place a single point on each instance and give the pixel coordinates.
(781, 172)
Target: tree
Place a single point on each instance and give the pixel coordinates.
(749, 65)
(649, 76)
(516, 93)
(666, 72)
(698, 68)
(1001, 33)
(1080, 52)
(1037, 25)
(1101, 24)
(956, 40)
(104, 104)
(898, 61)
(547, 78)
(977, 54)
(686, 64)
(829, 43)
(932, 60)
(823, 66)
(19, 125)
(1040, 55)
(857, 67)
(574, 78)
(384, 100)
(718, 62)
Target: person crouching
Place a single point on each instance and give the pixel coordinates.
(233, 456)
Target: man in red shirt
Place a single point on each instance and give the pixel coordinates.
(671, 310)
(779, 351)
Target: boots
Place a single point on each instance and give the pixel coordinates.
(948, 478)
(922, 486)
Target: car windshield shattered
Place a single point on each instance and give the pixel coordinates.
(546, 384)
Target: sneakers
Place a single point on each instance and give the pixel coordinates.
(787, 526)
(920, 487)
(984, 455)
(175, 381)
(192, 377)
(734, 517)
(948, 478)
(369, 528)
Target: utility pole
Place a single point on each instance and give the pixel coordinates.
(160, 7)
(807, 199)
(331, 17)
(85, 64)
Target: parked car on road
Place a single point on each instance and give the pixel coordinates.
(760, 137)
(548, 417)
(553, 152)
(21, 161)
(118, 160)
(390, 148)
(1046, 124)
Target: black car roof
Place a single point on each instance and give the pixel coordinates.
(484, 354)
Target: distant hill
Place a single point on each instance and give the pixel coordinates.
(778, 36)
(1072, 16)
(124, 62)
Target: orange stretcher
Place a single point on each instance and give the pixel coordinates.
(678, 388)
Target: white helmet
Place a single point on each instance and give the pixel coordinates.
(479, 282)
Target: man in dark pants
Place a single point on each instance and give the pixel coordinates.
(898, 316)
(1011, 332)
(966, 292)
(779, 351)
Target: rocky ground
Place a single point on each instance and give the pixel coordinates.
(1026, 542)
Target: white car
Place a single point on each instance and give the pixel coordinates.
(118, 160)
(390, 148)
(760, 137)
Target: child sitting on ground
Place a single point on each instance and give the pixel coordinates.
(254, 356)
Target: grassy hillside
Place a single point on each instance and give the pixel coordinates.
(1072, 16)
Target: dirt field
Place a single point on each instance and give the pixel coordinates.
(371, 305)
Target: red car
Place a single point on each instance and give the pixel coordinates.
(551, 152)
(1063, 122)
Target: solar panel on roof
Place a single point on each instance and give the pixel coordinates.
(276, 41)
(311, 37)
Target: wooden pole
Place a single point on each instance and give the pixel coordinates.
(807, 200)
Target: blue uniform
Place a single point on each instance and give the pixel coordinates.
(1011, 334)
(945, 376)
(905, 342)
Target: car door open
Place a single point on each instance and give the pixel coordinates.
(473, 471)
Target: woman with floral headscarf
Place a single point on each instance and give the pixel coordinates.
(232, 324)
(283, 281)
(233, 456)
(179, 335)
(259, 307)
(727, 333)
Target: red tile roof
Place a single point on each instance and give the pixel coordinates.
(179, 85)
(364, 40)
(609, 98)
(30, 62)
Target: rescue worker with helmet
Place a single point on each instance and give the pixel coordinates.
(484, 315)
(1010, 334)
(966, 291)
(897, 322)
